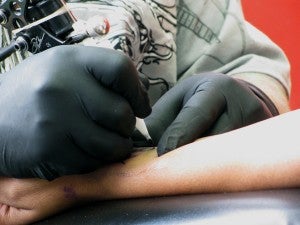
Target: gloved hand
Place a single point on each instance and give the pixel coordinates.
(202, 105)
(68, 110)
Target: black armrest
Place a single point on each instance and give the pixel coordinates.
(273, 207)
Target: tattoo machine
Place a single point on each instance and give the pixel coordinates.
(37, 25)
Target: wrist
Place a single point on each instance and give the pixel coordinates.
(270, 87)
(74, 189)
(120, 180)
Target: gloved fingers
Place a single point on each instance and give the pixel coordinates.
(116, 71)
(107, 109)
(224, 124)
(100, 143)
(235, 118)
(198, 114)
(164, 113)
(53, 166)
(79, 162)
(49, 158)
(139, 140)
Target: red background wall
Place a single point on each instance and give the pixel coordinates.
(280, 20)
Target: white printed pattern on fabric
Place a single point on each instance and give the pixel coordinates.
(172, 39)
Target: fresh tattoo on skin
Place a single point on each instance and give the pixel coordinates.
(69, 192)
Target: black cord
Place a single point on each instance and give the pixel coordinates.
(7, 51)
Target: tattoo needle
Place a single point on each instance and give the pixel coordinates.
(141, 127)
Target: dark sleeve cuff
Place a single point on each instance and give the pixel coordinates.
(262, 96)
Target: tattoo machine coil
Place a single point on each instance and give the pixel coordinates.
(37, 25)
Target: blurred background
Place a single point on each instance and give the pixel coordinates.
(280, 20)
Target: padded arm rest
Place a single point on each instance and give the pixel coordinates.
(274, 207)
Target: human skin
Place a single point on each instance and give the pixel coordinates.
(265, 155)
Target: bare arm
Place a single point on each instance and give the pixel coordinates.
(261, 156)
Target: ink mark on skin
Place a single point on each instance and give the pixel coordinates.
(69, 193)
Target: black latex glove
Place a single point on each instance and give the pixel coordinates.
(202, 105)
(68, 110)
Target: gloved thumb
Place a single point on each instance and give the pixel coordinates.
(116, 71)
